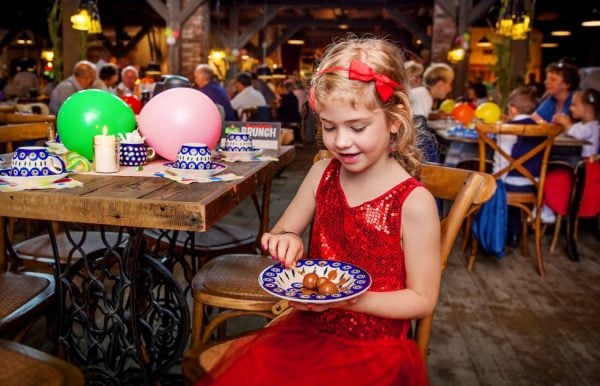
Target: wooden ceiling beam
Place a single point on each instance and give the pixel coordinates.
(410, 23)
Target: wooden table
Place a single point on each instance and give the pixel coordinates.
(146, 321)
(460, 148)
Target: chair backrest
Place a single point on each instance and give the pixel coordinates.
(25, 132)
(539, 151)
(25, 118)
(467, 190)
(584, 196)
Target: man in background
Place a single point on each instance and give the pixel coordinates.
(207, 84)
(84, 75)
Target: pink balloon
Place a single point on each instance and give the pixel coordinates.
(177, 116)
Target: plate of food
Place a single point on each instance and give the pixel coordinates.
(315, 281)
(34, 181)
(195, 173)
(240, 155)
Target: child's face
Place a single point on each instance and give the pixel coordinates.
(359, 137)
(578, 108)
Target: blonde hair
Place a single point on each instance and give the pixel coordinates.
(436, 72)
(384, 57)
(414, 70)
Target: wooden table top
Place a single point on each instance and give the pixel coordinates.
(560, 140)
(145, 202)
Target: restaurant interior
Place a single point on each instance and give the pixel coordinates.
(530, 317)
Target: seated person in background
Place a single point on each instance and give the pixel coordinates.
(84, 75)
(585, 108)
(561, 80)
(129, 78)
(247, 96)
(437, 81)
(207, 84)
(557, 190)
(477, 93)
(521, 103)
(287, 112)
(107, 78)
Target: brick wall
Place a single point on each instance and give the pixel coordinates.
(444, 30)
(194, 39)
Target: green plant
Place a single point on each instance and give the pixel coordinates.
(54, 22)
(506, 73)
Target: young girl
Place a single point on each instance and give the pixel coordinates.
(368, 210)
(557, 189)
(585, 108)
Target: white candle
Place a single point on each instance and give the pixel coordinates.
(106, 154)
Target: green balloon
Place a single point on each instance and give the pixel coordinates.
(86, 114)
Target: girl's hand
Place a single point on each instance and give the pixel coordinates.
(287, 247)
(561, 119)
(316, 307)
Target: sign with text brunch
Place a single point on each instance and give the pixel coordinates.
(265, 135)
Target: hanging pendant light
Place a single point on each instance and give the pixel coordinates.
(87, 18)
(81, 20)
(514, 22)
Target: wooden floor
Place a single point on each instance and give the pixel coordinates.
(501, 324)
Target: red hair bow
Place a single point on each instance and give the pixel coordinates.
(361, 71)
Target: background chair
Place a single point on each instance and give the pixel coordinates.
(22, 365)
(11, 134)
(529, 202)
(467, 189)
(581, 201)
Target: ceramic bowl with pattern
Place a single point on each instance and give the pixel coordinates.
(195, 156)
(135, 154)
(238, 142)
(34, 161)
(349, 279)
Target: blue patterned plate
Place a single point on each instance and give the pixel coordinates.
(216, 168)
(287, 283)
(240, 155)
(31, 181)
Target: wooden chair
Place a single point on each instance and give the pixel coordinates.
(24, 296)
(583, 194)
(467, 189)
(530, 202)
(7, 118)
(12, 133)
(22, 365)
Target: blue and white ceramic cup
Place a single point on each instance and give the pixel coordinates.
(194, 156)
(238, 142)
(33, 161)
(135, 154)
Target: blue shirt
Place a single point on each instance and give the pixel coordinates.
(547, 107)
(217, 93)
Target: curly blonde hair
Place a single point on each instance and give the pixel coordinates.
(384, 57)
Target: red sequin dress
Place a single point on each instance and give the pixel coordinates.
(338, 347)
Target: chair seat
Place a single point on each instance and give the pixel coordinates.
(232, 281)
(25, 366)
(20, 294)
(39, 249)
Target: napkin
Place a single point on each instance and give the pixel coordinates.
(64, 183)
(253, 159)
(186, 180)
